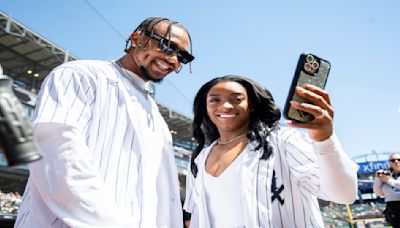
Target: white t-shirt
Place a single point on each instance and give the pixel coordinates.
(223, 196)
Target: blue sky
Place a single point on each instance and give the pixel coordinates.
(259, 39)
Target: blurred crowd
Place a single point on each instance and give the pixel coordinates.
(335, 215)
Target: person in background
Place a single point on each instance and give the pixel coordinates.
(108, 154)
(256, 173)
(387, 185)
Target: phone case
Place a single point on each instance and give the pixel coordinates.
(310, 70)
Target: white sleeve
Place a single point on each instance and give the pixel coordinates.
(67, 182)
(395, 183)
(378, 187)
(189, 203)
(338, 173)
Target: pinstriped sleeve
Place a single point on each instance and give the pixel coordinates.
(321, 168)
(301, 160)
(66, 97)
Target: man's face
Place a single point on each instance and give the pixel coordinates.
(152, 62)
(395, 162)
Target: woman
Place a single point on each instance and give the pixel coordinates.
(255, 173)
(387, 185)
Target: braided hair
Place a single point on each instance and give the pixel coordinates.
(263, 118)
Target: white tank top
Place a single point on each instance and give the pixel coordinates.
(224, 196)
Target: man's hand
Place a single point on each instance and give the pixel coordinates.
(321, 128)
(382, 175)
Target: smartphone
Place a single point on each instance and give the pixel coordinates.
(310, 69)
(384, 172)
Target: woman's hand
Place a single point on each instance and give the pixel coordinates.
(321, 128)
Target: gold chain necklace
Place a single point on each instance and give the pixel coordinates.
(230, 141)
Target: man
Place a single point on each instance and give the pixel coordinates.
(108, 155)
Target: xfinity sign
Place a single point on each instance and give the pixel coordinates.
(371, 167)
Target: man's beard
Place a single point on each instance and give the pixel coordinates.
(147, 75)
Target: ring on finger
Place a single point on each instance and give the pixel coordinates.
(324, 113)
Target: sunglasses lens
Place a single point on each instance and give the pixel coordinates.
(395, 160)
(165, 48)
(170, 48)
(184, 57)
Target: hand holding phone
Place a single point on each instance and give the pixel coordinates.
(382, 172)
(310, 70)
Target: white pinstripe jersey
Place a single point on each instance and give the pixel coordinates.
(285, 196)
(108, 156)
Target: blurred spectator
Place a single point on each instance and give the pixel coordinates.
(387, 185)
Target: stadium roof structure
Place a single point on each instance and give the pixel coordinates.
(373, 156)
(28, 57)
(25, 55)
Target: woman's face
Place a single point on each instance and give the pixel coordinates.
(395, 162)
(228, 107)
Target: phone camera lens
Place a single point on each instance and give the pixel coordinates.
(307, 67)
(315, 65)
(310, 58)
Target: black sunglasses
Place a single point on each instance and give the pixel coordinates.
(395, 159)
(169, 48)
